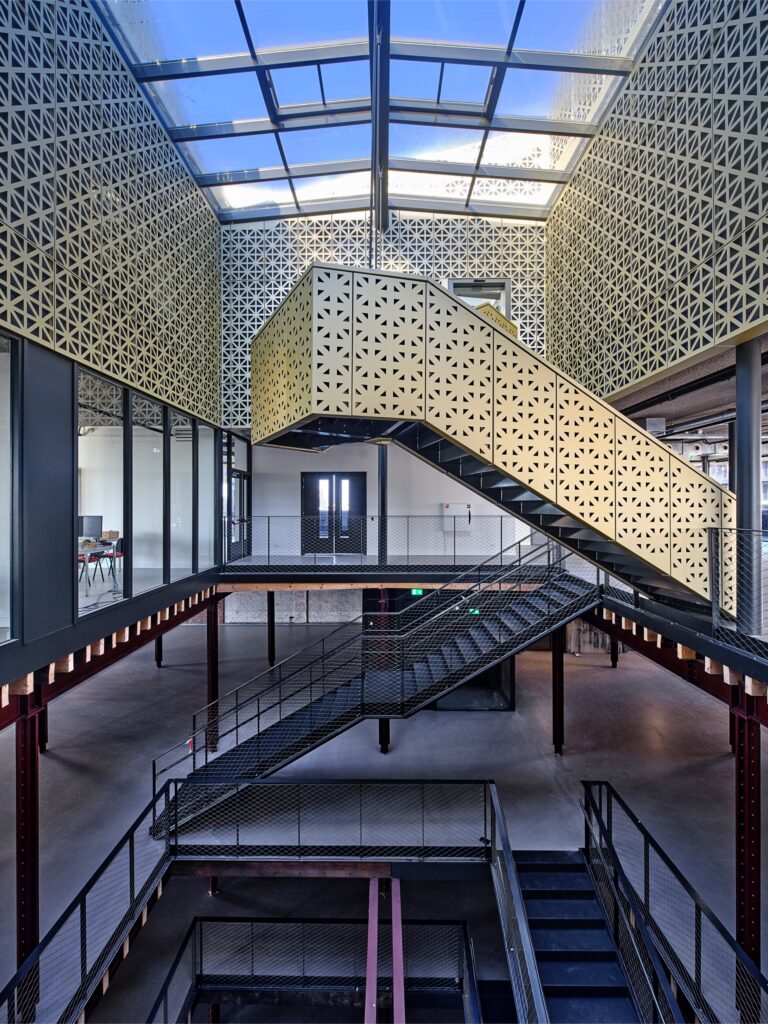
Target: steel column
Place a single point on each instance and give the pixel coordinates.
(558, 689)
(42, 730)
(271, 628)
(384, 735)
(398, 966)
(747, 734)
(748, 494)
(212, 646)
(159, 651)
(614, 652)
(27, 831)
(732, 455)
(372, 958)
(383, 452)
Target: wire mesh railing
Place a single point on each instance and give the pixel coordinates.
(372, 820)
(241, 955)
(386, 664)
(55, 982)
(738, 583)
(679, 931)
(341, 541)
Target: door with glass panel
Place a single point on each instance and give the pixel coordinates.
(333, 513)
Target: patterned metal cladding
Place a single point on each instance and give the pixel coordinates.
(658, 247)
(110, 252)
(396, 347)
(262, 262)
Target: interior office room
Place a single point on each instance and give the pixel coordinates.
(383, 511)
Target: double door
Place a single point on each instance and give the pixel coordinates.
(333, 513)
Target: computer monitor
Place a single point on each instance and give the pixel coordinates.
(89, 526)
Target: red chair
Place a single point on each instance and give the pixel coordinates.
(116, 553)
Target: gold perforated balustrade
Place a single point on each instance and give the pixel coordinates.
(377, 345)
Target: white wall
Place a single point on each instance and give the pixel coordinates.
(415, 494)
(100, 476)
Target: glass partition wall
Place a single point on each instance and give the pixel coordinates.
(100, 535)
(146, 497)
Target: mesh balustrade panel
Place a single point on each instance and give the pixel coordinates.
(695, 947)
(512, 926)
(57, 980)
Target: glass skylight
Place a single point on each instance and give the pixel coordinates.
(314, 54)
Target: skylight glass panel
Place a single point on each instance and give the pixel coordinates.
(465, 83)
(297, 85)
(171, 30)
(429, 186)
(478, 21)
(320, 145)
(608, 27)
(499, 190)
(349, 79)
(564, 97)
(235, 154)
(333, 186)
(213, 98)
(414, 79)
(424, 142)
(280, 23)
(526, 149)
(262, 196)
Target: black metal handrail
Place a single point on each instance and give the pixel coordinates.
(690, 984)
(518, 944)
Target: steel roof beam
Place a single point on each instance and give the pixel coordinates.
(416, 205)
(400, 49)
(395, 164)
(425, 113)
(378, 18)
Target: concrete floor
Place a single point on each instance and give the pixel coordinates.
(663, 744)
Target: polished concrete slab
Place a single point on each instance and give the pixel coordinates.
(662, 743)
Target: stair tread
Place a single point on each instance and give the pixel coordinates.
(548, 856)
(550, 910)
(572, 940)
(571, 973)
(556, 881)
(591, 1010)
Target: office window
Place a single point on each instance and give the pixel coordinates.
(5, 489)
(147, 447)
(100, 540)
(181, 495)
(206, 496)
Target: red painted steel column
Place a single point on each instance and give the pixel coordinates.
(398, 963)
(747, 735)
(372, 960)
(27, 831)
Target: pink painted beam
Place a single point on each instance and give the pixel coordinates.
(398, 966)
(372, 963)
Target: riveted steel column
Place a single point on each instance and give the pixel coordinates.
(270, 628)
(747, 735)
(748, 493)
(383, 451)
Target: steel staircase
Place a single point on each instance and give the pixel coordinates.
(356, 355)
(386, 665)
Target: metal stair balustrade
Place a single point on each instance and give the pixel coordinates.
(389, 672)
(371, 355)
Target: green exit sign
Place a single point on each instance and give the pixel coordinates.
(474, 611)
(417, 592)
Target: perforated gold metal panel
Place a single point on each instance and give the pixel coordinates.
(282, 367)
(388, 353)
(332, 330)
(657, 249)
(586, 455)
(459, 371)
(728, 553)
(525, 409)
(373, 345)
(110, 251)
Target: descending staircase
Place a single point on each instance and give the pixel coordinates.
(386, 665)
(579, 968)
(365, 355)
